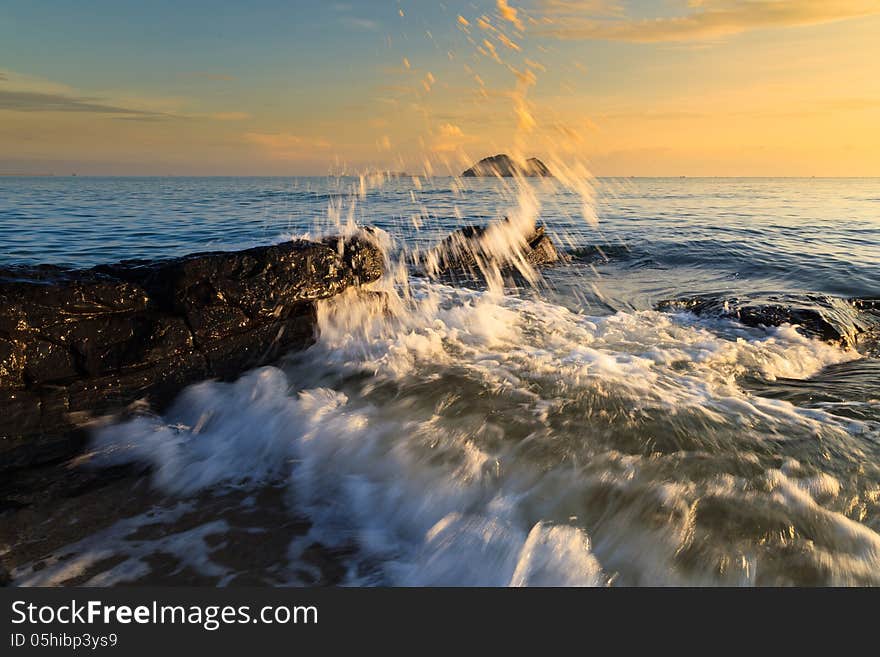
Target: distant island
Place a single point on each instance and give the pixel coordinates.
(505, 166)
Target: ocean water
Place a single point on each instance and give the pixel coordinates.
(550, 428)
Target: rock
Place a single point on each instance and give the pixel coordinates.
(541, 250)
(534, 167)
(77, 344)
(849, 322)
(471, 247)
(504, 166)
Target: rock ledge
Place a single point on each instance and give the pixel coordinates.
(77, 344)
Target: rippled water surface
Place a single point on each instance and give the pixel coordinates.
(566, 434)
(815, 234)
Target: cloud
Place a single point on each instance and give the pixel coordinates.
(449, 138)
(26, 94)
(229, 116)
(507, 42)
(801, 108)
(449, 130)
(583, 8)
(360, 23)
(344, 10)
(205, 75)
(34, 101)
(286, 146)
(649, 115)
(509, 13)
(710, 19)
(142, 119)
(490, 51)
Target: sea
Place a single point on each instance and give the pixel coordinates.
(557, 427)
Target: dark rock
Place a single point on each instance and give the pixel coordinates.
(504, 166)
(75, 345)
(329, 562)
(469, 249)
(849, 322)
(630, 256)
(541, 249)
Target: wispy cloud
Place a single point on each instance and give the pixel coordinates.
(360, 23)
(552, 9)
(142, 118)
(23, 93)
(286, 146)
(207, 75)
(33, 101)
(229, 116)
(509, 13)
(803, 107)
(670, 115)
(354, 22)
(708, 19)
(449, 138)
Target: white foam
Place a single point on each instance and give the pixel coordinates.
(465, 437)
(118, 542)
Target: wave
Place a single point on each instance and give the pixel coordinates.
(467, 437)
(441, 435)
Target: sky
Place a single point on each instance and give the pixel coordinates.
(270, 87)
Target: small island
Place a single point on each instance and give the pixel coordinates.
(504, 166)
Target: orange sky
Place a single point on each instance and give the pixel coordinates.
(670, 87)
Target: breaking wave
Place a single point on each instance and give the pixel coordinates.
(458, 436)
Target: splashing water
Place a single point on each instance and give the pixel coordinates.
(464, 437)
(489, 434)
(492, 434)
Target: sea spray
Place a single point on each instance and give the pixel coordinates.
(482, 434)
(461, 437)
(490, 434)
(485, 435)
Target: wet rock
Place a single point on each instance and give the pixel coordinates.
(849, 322)
(504, 166)
(471, 248)
(623, 255)
(329, 562)
(76, 344)
(542, 250)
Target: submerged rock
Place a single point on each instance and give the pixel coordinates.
(850, 322)
(76, 344)
(505, 166)
(473, 248)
